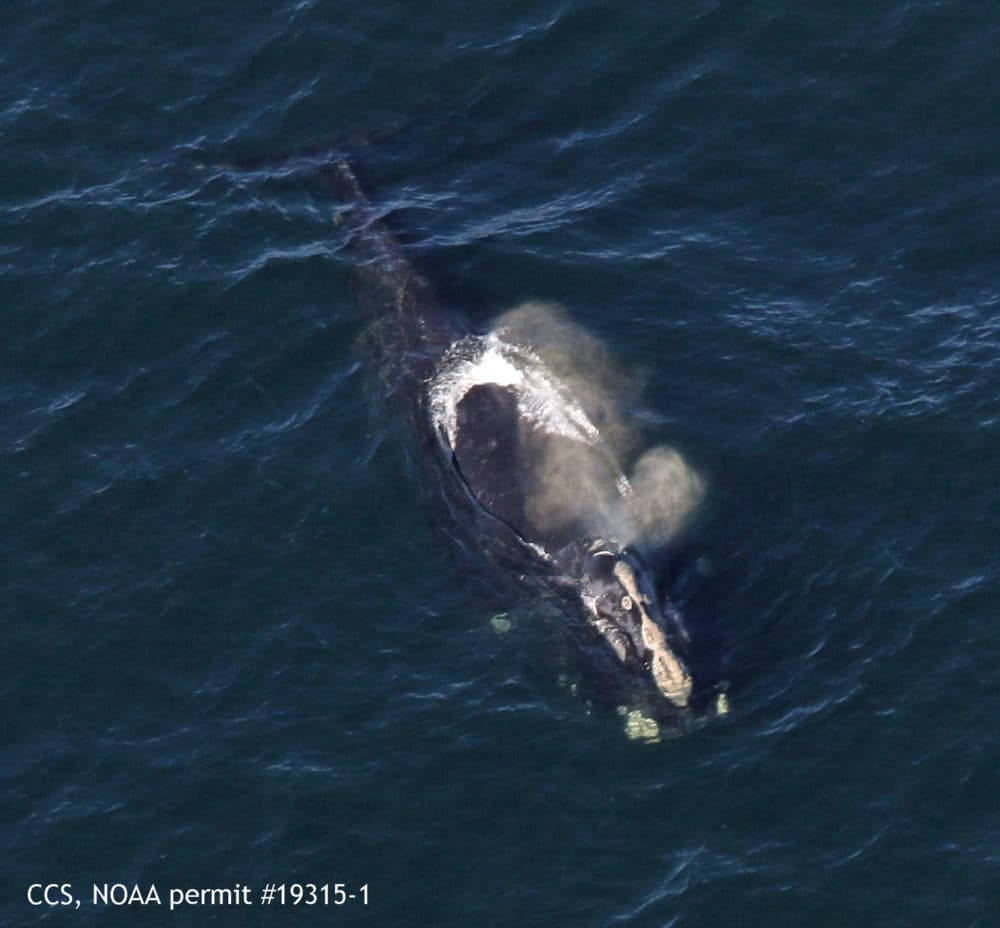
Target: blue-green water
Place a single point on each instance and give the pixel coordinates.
(238, 646)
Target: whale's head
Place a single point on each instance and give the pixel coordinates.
(620, 601)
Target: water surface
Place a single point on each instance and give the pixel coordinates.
(239, 647)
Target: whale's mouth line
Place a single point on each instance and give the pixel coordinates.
(456, 465)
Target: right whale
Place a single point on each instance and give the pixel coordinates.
(524, 429)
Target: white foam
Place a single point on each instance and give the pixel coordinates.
(544, 402)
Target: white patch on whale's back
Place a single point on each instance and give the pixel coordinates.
(543, 401)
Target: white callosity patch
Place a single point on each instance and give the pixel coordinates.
(669, 672)
(639, 727)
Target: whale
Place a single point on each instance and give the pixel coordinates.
(523, 427)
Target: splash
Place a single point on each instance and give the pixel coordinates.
(575, 440)
(665, 491)
(581, 365)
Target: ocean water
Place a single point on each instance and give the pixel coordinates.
(239, 645)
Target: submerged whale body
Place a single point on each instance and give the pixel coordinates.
(524, 423)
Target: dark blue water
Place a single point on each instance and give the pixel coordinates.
(238, 646)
